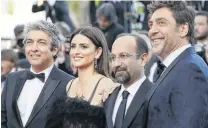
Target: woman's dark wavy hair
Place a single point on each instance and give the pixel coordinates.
(98, 39)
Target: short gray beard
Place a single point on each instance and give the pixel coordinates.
(123, 79)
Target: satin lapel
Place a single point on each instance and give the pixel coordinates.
(136, 103)
(17, 90)
(111, 103)
(48, 89)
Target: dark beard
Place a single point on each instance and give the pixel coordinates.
(203, 36)
(122, 78)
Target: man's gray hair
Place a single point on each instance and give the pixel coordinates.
(47, 27)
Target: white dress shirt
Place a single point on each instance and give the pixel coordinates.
(152, 71)
(132, 91)
(168, 60)
(30, 93)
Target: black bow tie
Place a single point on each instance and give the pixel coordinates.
(40, 76)
(160, 68)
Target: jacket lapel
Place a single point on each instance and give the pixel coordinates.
(49, 87)
(169, 68)
(110, 107)
(136, 103)
(17, 90)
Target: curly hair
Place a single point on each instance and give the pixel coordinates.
(47, 27)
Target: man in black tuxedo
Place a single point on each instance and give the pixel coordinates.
(179, 98)
(125, 106)
(29, 94)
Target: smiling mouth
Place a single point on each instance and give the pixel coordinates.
(78, 58)
(35, 56)
(156, 42)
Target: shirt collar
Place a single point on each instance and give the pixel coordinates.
(133, 88)
(47, 71)
(170, 58)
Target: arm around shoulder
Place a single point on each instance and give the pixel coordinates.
(108, 87)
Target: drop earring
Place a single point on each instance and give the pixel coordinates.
(95, 62)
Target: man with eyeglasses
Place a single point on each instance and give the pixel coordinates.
(125, 106)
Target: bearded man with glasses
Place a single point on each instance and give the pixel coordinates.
(125, 106)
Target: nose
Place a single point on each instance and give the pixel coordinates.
(153, 30)
(34, 47)
(75, 51)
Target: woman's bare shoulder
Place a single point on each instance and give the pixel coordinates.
(107, 84)
(69, 84)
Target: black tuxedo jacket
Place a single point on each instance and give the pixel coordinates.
(135, 113)
(54, 88)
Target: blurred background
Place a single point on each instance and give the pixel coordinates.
(131, 16)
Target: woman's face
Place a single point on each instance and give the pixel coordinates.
(83, 51)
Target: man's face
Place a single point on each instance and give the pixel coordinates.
(38, 49)
(126, 69)
(6, 66)
(103, 22)
(201, 27)
(164, 33)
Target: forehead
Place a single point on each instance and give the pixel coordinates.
(201, 19)
(38, 34)
(79, 38)
(124, 44)
(162, 13)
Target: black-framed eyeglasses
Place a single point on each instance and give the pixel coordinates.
(122, 56)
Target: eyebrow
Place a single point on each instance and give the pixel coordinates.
(81, 43)
(38, 39)
(158, 19)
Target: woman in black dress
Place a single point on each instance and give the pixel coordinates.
(83, 106)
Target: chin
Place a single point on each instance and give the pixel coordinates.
(35, 63)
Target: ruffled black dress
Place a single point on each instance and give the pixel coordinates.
(76, 113)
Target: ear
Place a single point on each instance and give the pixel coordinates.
(98, 52)
(144, 59)
(55, 51)
(184, 28)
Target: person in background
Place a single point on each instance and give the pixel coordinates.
(55, 10)
(178, 98)
(63, 59)
(8, 62)
(22, 64)
(29, 94)
(107, 22)
(19, 37)
(201, 33)
(201, 28)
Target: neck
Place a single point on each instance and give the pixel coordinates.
(178, 45)
(133, 80)
(84, 74)
(38, 69)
